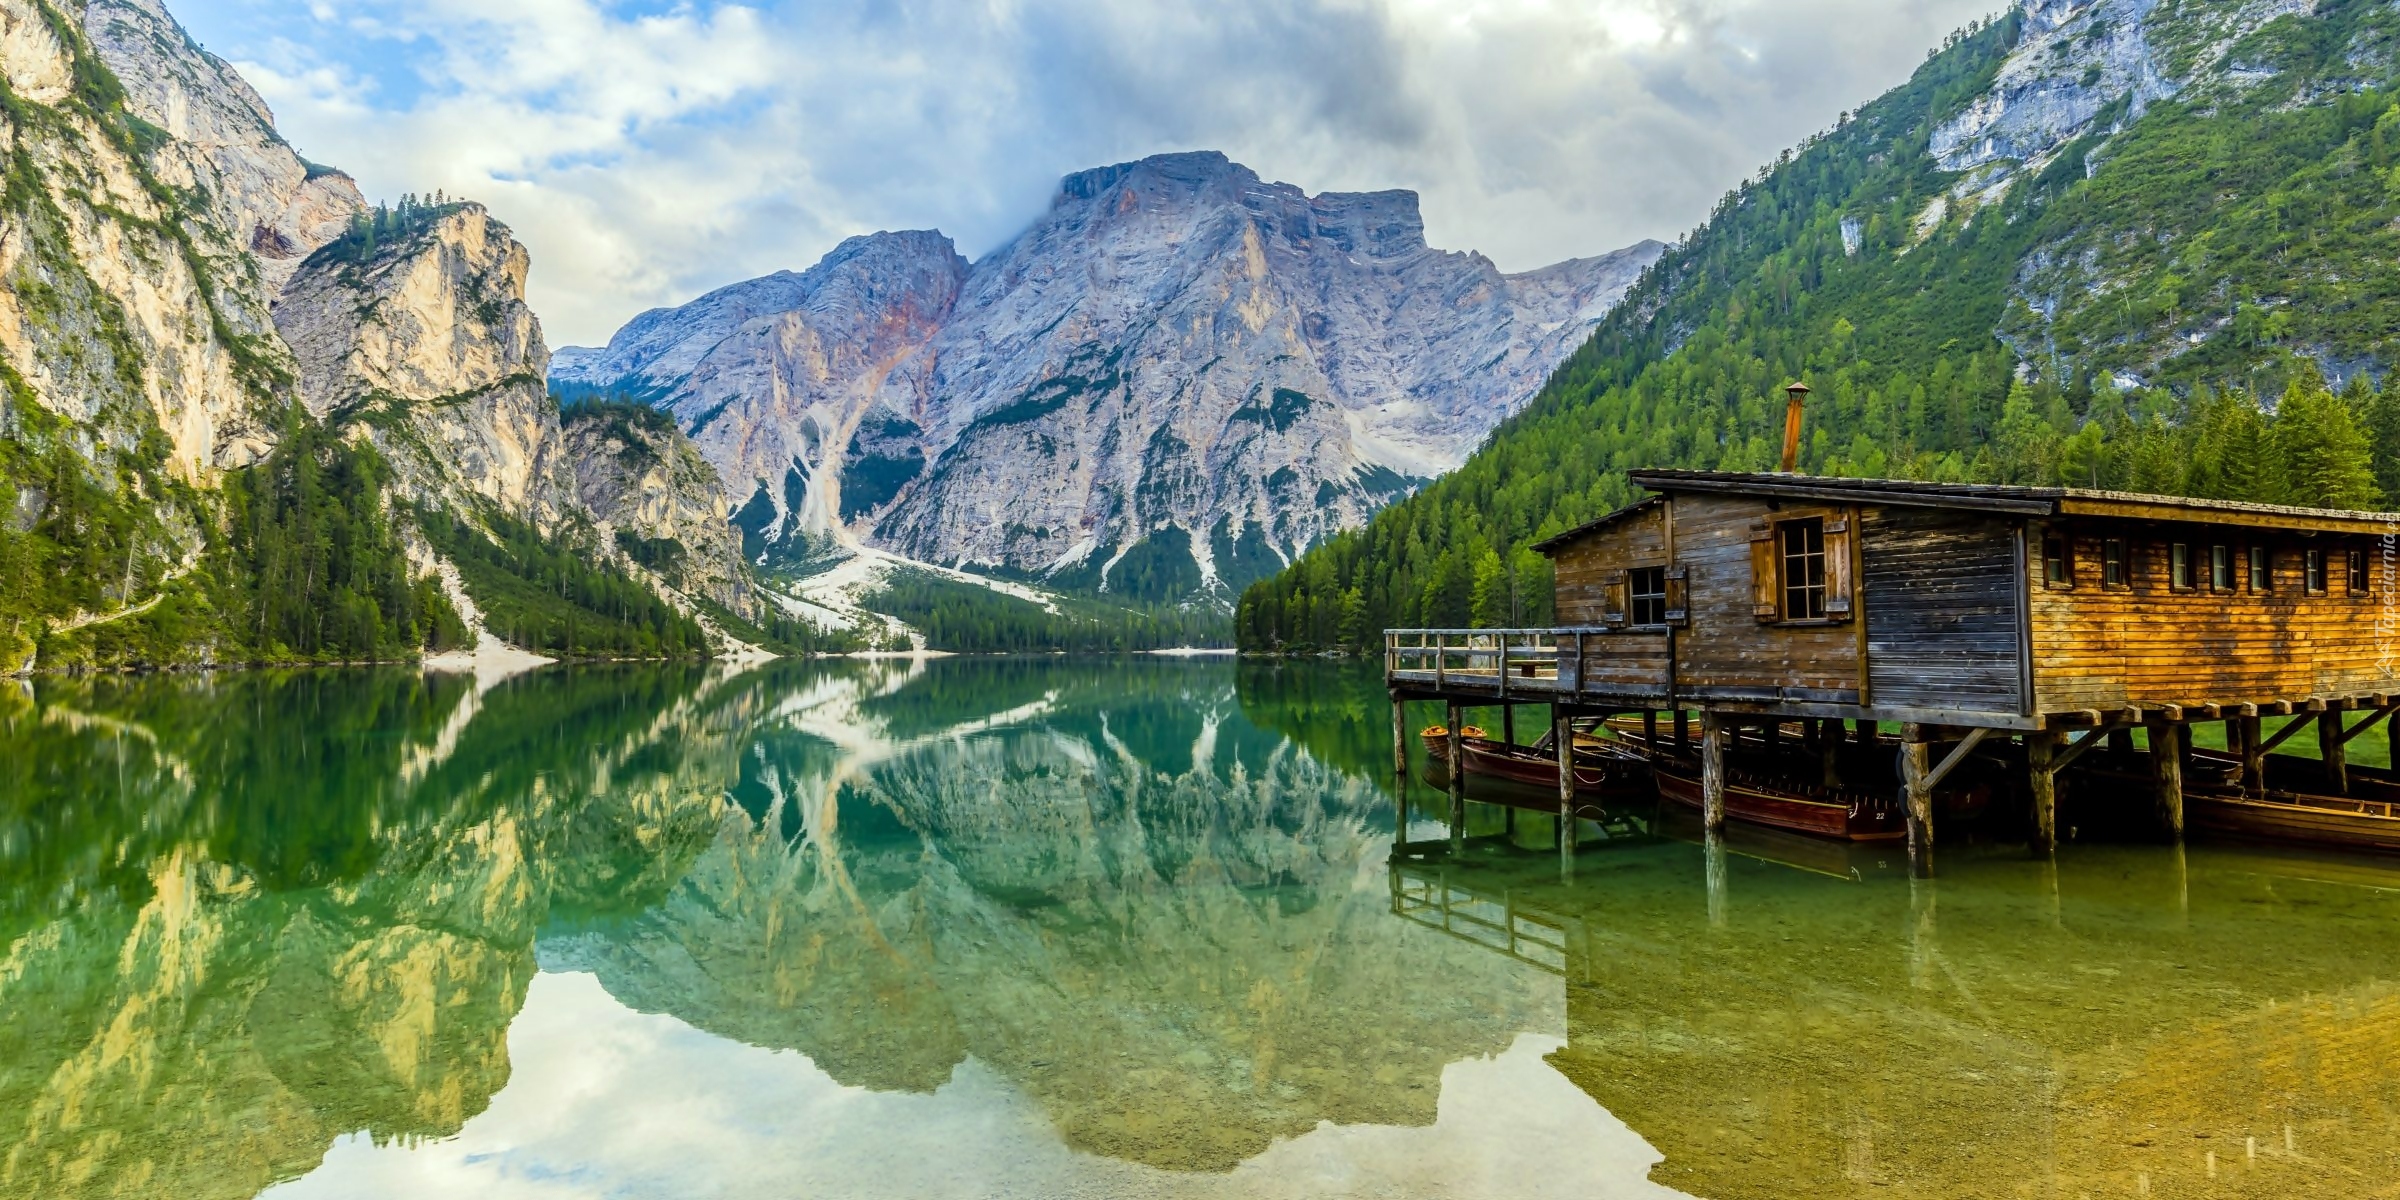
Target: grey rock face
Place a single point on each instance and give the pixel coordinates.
(655, 499)
(430, 346)
(1178, 362)
(786, 381)
(221, 142)
(177, 268)
(2077, 58)
(120, 302)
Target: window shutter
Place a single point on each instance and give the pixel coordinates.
(1678, 610)
(1840, 542)
(1613, 607)
(1763, 598)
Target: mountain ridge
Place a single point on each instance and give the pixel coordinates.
(1058, 407)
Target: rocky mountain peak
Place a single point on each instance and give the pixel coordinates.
(2076, 59)
(1175, 378)
(274, 208)
(665, 345)
(416, 326)
(1188, 173)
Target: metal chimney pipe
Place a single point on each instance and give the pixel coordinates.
(1791, 425)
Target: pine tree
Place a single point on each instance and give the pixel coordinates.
(1490, 598)
(2231, 455)
(2321, 448)
(2381, 420)
(1352, 627)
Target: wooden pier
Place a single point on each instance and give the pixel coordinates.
(2026, 625)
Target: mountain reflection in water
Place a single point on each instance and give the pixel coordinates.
(1049, 927)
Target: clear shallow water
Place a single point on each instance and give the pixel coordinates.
(1059, 928)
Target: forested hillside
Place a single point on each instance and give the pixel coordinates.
(2155, 304)
(246, 417)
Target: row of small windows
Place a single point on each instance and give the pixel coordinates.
(2187, 562)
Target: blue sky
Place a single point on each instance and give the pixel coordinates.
(646, 152)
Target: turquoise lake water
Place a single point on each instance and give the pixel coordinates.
(1056, 927)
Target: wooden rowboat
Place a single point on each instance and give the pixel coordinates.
(1437, 737)
(1823, 812)
(2297, 817)
(1602, 775)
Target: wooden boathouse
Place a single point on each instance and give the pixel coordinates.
(2058, 617)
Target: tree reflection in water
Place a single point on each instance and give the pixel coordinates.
(1040, 926)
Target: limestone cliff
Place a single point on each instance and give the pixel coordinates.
(118, 310)
(220, 145)
(174, 280)
(658, 501)
(2077, 59)
(424, 340)
(798, 386)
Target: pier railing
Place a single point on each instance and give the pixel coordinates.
(1537, 664)
(1506, 661)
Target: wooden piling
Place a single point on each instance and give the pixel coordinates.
(1399, 775)
(1712, 852)
(1508, 724)
(1829, 751)
(2254, 758)
(1563, 733)
(2329, 744)
(1458, 782)
(2040, 747)
(2166, 775)
(1712, 771)
(1683, 733)
(1650, 731)
(2391, 739)
(1916, 771)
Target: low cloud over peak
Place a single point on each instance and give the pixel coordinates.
(648, 152)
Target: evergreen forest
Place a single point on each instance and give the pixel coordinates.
(2193, 300)
(552, 596)
(970, 618)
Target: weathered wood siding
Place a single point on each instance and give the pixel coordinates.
(1727, 652)
(1941, 599)
(1632, 664)
(1724, 652)
(1582, 568)
(2147, 643)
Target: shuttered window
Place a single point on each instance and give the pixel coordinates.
(1801, 568)
(1648, 588)
(1802, 555)
(1766, 596)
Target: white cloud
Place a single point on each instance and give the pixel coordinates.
(602, 1101)
(646, 155)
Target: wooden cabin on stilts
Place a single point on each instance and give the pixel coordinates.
(2023, 625)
